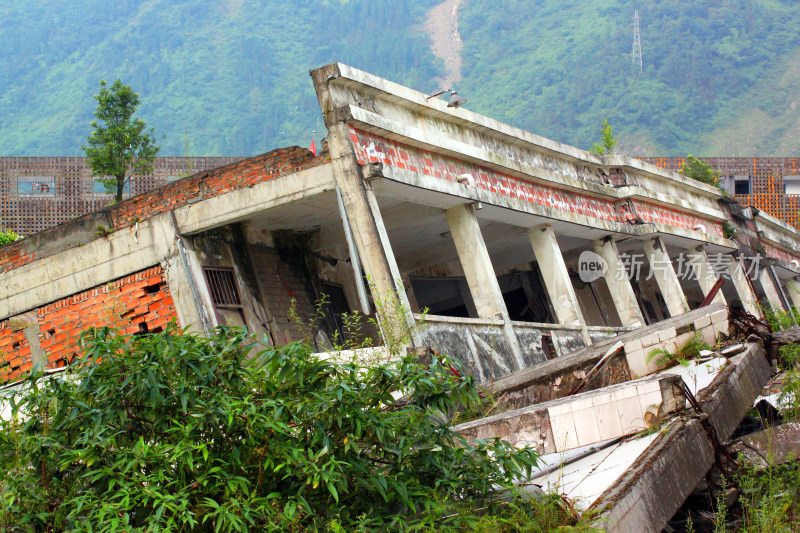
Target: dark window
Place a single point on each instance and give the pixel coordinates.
(338, 306)
(741, 187)
(222, 286)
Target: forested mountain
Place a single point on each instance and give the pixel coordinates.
(230, 77)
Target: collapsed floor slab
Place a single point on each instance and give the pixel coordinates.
(583, 419)
(649, 492)
(556, 378)
(636, 483)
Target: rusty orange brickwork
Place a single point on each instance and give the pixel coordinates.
(766, 181)
(15, 353)
(138, 303)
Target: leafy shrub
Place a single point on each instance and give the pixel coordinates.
(699, 170)
(179, 432)
(683, 354)
(7, 237)
(779, 319)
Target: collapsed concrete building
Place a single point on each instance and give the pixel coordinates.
(527, 259)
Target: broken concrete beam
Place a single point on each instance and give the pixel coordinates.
(731, 394)
(660, 480)
(781, 338)
(773, 446)
(585, 418)
(648, 493)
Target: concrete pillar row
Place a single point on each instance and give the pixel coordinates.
(556, 278)
(478, 269)
(744, 288)
(619, 284)
(704, 270)
(664, 274)
(772, 291)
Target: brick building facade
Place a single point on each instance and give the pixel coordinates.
(771, 184)
(40, 192)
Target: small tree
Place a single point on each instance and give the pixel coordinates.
(607, 141)
(7, 237)
(700, 171)
(119, 148)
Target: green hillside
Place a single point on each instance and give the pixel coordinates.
(230, 77)
(711, 67)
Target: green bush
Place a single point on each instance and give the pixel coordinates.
(779, 319)
(179, 432)
(7, 237)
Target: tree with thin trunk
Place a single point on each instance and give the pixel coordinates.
(119, 148)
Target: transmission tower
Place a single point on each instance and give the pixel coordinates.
(636, 55)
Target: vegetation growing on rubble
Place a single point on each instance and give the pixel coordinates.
(682, 355)
(779, 319)
(700, 171)
(7, 237)
(180, 432)
(770, 497)
(607, 140)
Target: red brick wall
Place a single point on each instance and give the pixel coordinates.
(137, 303)
(213, 183)
(15, 353)
(13, 255)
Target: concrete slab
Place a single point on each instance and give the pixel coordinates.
(583, 419)
(773, 446)
(658, 482)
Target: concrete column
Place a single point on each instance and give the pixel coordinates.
(187, 285)
(770, 289)
(793, 291)
(372, 253)
(478, 270)
(619, 284)
(744, 287)
(704, 270)
(556, 278)
(664, 274)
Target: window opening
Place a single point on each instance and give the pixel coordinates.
(222, 286)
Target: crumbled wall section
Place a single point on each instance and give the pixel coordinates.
(15, 352)
(213, 183)
(139, 303)
(202, 185)
(13, 255)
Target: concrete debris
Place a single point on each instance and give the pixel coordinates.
(774, 446)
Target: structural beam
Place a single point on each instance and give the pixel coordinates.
(556, 278)
(664, 274)
(370, 247)
(771, 290)
(744, 287)
(793, 290)
(704, 272)
(478, 269)
(619, 284)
